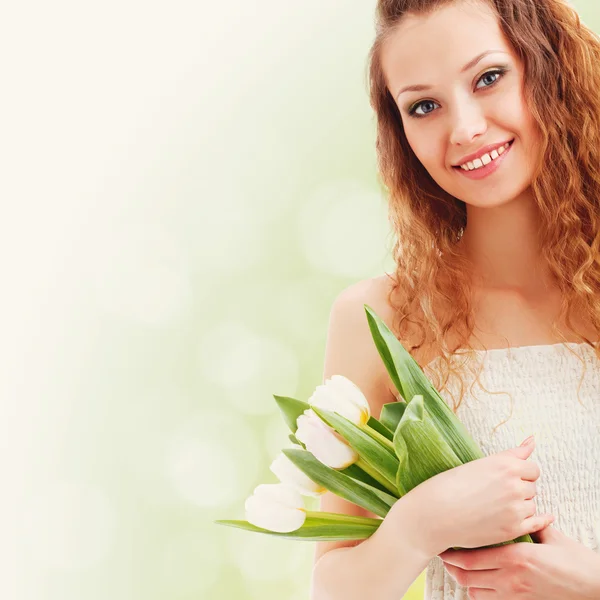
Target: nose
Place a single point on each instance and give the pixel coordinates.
(468, 123)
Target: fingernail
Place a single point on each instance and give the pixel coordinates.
(529, 440)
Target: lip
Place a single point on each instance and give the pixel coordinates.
(485, 150)
(487, 169)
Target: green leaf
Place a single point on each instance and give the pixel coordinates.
(372, 452)
(382, 336)
(405, 372)
(321, 527)
(291, 410)
(295, 440)
(361, 494)
(422, 451)
(410, 381)
(357, 473)
(391, 414)
(381, 428)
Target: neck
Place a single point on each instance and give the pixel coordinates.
(502, 243)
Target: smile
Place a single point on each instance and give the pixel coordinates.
(486, 164)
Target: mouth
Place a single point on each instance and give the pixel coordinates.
(486, 164)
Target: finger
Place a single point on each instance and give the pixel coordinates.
(529, 508)
(530, 471)
(481, 558)
(475, 593)
(529, 490)
(486, 579)
(524, 450)
(535, 523)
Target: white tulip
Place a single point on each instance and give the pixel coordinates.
(289, 473)
(341, 395)
(276, 507)
(324, 442)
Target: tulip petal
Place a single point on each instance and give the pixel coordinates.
(279, 493)
(275, 506)
(323, 442)
(289, 473)
(272, 517)
(325, 396)
(339, 394)
(349, 390)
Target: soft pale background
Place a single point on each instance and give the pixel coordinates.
(186, 188)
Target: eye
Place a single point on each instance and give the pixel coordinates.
(425, 104)
(489, 78)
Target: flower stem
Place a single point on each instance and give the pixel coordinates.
(344, 518)
(379, 438)
(366, 467)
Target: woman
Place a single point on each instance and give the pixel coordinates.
(488, 141)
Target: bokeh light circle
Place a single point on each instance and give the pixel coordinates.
(248, 366)
(212, 456)
(343, 229)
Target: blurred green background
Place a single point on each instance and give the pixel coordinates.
(187, 187)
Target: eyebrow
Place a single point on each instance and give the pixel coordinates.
(469, 65)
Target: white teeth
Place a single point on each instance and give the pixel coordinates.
(486, 159)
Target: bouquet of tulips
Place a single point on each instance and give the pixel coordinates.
(340, 447)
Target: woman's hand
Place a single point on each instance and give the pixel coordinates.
(483, 502)
(557, 568)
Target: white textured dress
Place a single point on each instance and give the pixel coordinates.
(543, 382)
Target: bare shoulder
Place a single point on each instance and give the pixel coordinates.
(351, 350)
(374, 291)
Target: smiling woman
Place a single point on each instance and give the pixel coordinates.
(488, 144)
(475, 101)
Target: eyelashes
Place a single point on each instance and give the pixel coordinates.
(499, 71)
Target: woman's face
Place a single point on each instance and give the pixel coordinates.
(468, 103)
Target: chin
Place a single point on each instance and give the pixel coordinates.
(491, 200)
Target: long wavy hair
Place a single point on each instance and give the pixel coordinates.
(431, 288)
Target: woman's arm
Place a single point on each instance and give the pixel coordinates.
(383, 566)
(389, 558)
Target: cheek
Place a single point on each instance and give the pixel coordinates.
(427, 148)
(513, 112)
(519, 120)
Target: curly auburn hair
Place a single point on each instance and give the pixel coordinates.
(561, 59)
